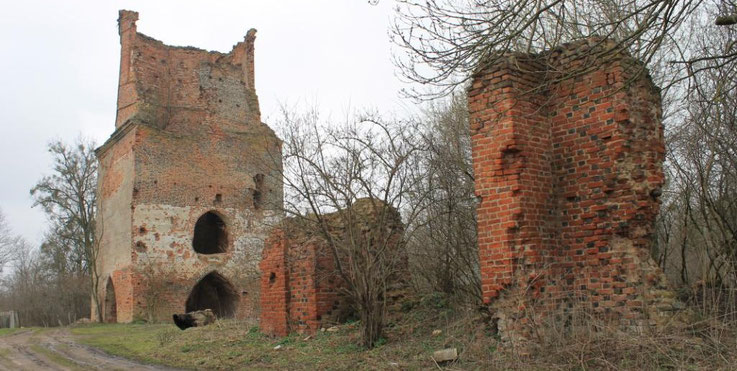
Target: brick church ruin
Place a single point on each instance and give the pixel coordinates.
(189, 182)
(567, 171)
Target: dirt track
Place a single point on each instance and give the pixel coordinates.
(56, 350)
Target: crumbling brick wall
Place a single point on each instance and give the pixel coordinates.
(568, 170)
(301, 289)
(188, 141)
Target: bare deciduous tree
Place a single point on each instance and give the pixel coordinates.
(9, 243)
(41, 295)
(329, 173)
(697, 240)
(443, 248)
(443, 41)
(68, 197)
(689, 48)
(703, 162)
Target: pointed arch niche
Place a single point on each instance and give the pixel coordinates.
(210, 234)
(110, 307)
(214, 292)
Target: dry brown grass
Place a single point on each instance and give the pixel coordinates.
(605, 347)
(709, 343)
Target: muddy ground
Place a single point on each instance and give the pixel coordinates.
(55, 349)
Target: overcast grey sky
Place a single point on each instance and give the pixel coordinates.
(59, 69)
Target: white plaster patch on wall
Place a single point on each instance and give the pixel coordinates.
(164, 233)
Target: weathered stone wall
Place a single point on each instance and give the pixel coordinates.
(568, 171)
(188, 141)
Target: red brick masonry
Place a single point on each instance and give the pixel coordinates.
(188, 141)
(301, 290)
(568, 171)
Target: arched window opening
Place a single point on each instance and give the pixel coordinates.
(210, 234)
(111, 311)
(216, 293)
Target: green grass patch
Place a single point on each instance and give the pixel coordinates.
(234, 345)
(11, 331)
(408, 343)
(130, 341)
(55, 357)
(4, 358)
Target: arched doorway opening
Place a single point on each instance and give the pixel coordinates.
(216, 293)
(111, 310)
(210, 234)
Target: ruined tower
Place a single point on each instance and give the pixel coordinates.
(568, 160)
(189, 182)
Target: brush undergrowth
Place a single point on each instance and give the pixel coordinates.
(409, 344)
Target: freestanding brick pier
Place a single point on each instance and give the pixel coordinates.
(189, 182)
(568, 172)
